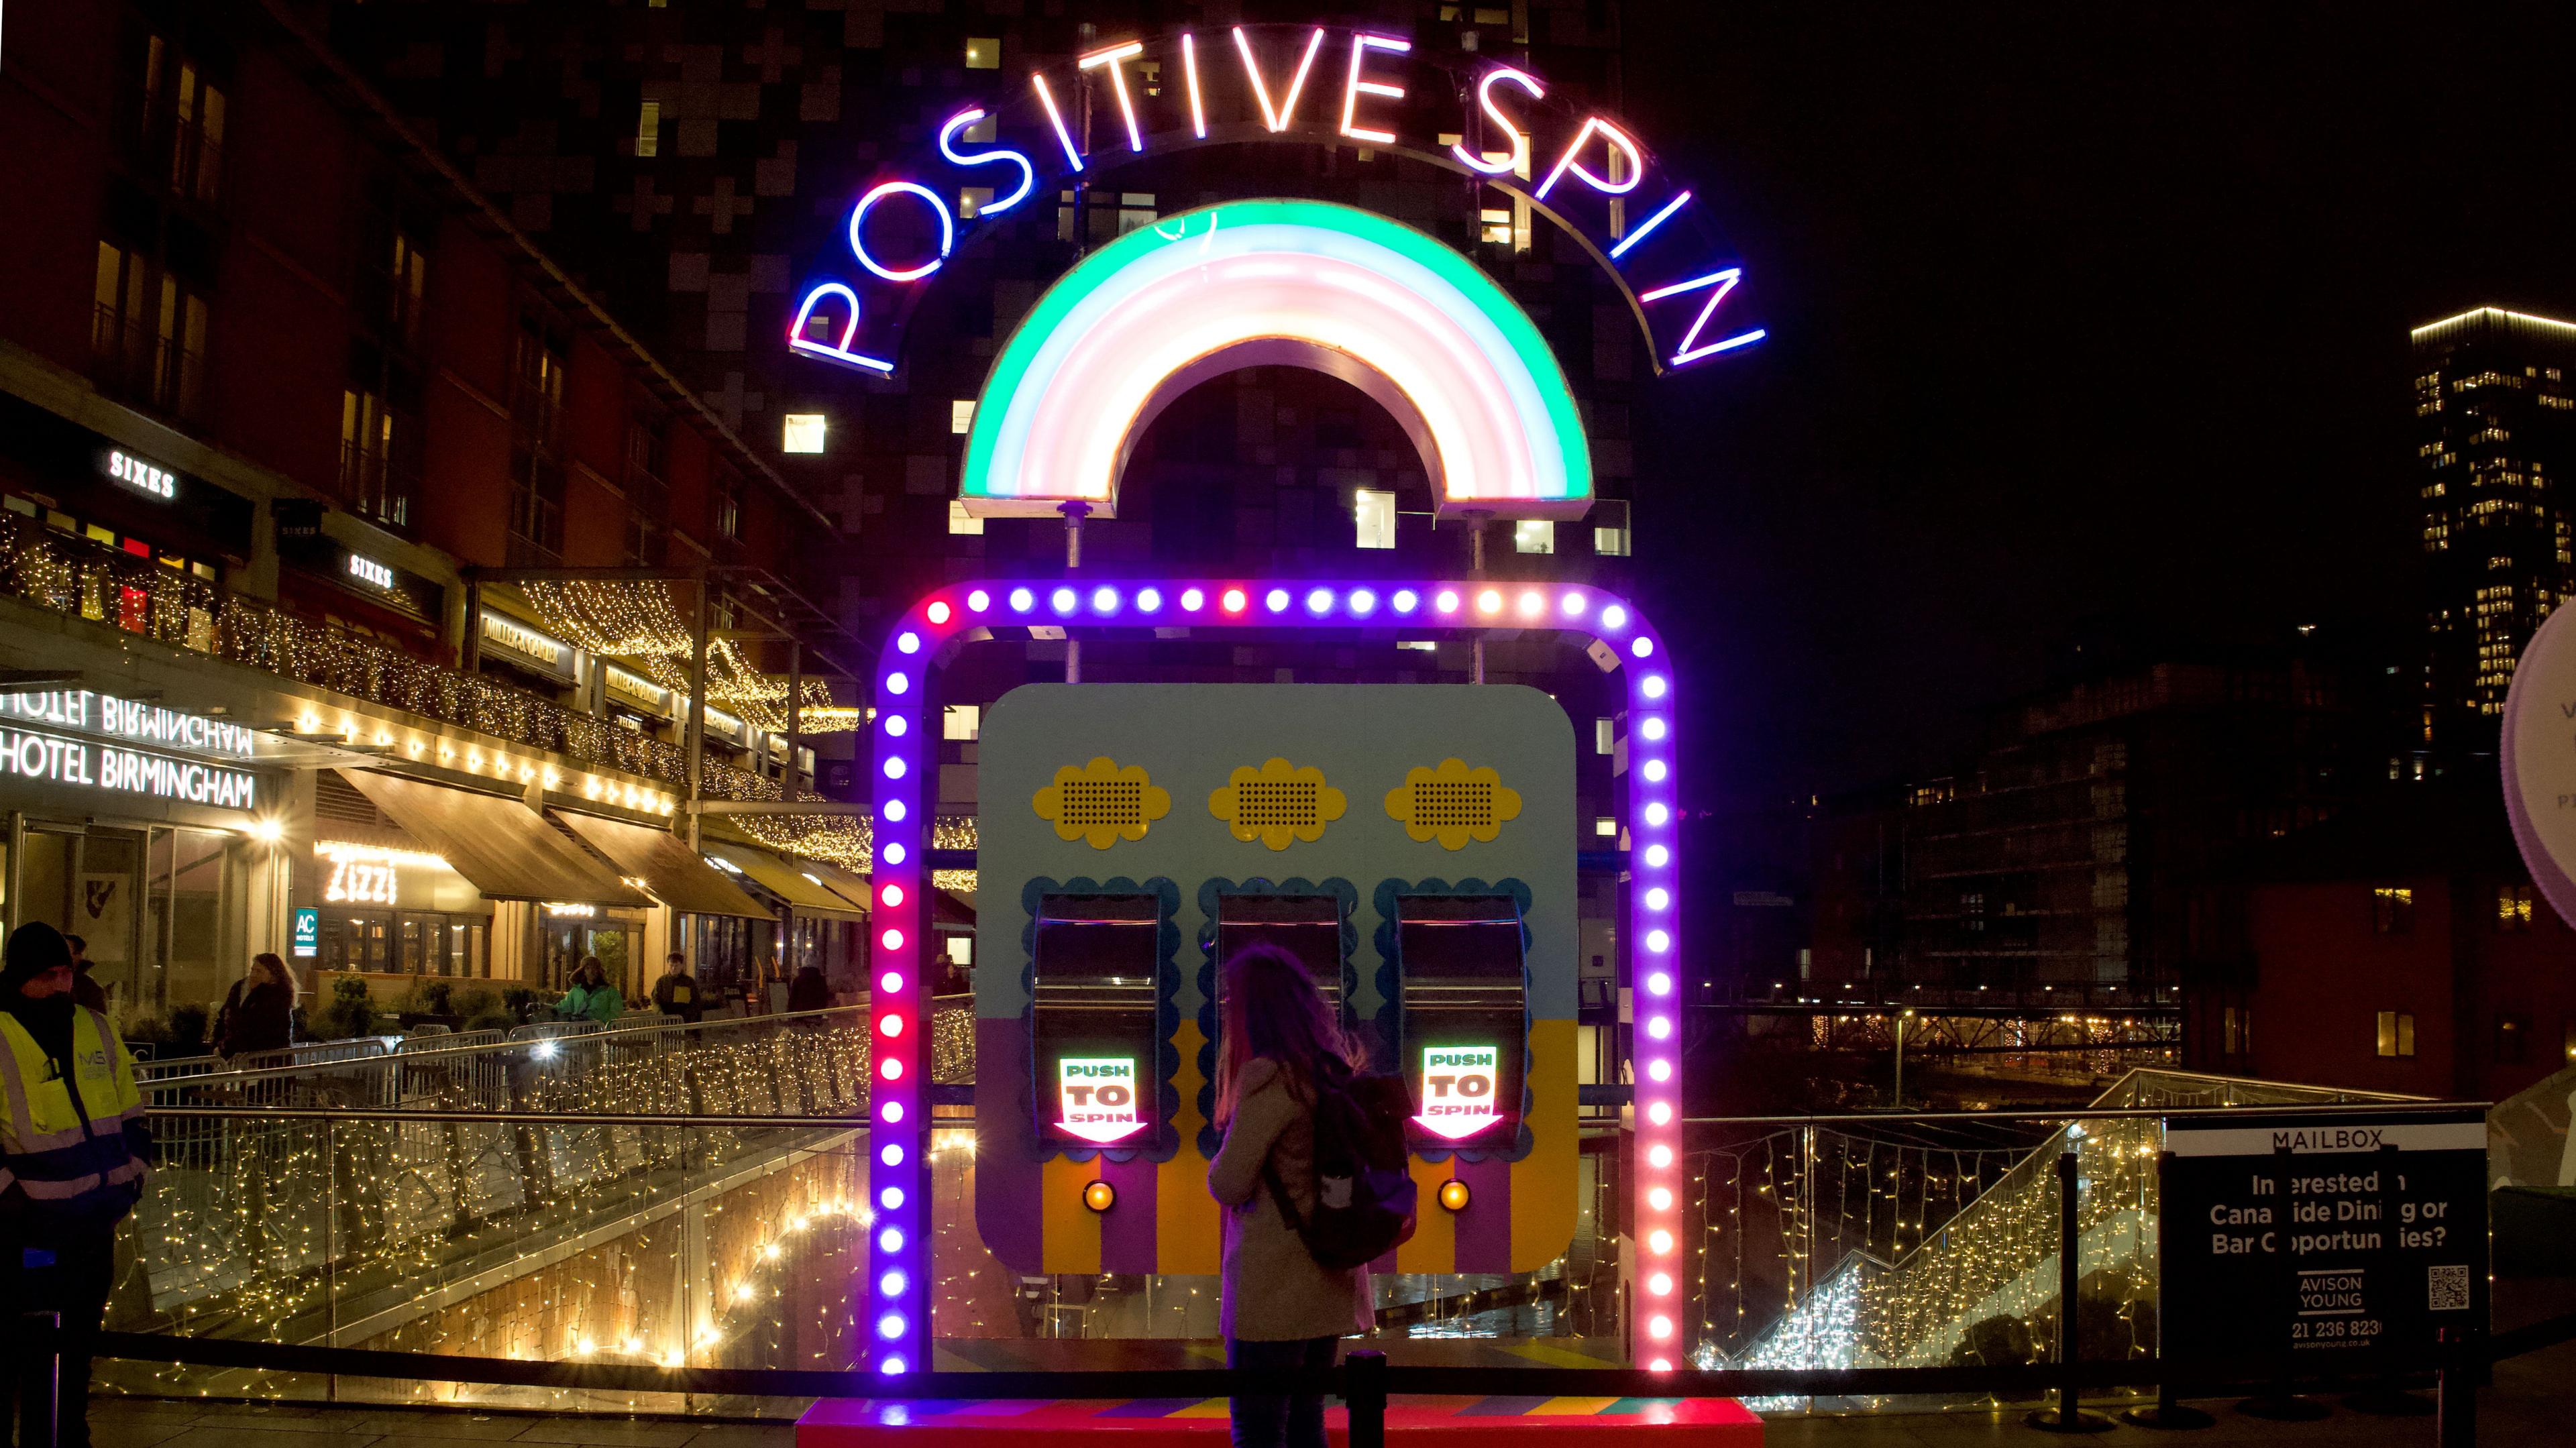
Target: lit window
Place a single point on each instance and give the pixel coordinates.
(1605, 826)
(1135, 209)
(1373, 516)
(2513, 907)
(804, 433)
(1496, 224)
(648, 129)
(961, 416)
(971, 201)
(1605, 735)
(2396, 1033)
(1610, 529)
(2392, 911)
(984, 54)
(961, 950)
(961, 721)
(961, 521)
(1534, 535)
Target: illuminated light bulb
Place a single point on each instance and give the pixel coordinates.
(892, 1284)
(1454, 1195)
(896, 725)
(890, 1325)
(1532, 605)
(1104, 600)
(796, 1224)
(1659, 983)
(1614, 617)
(1573, 605)
(978, 601)
(893, 895)
(937, 613)
(1320, 601)
(1149, 599)
(1099, 1196)
(890, 1113)
(891, 1198)
(890, 1240)
(1661, 1284)
(585, 1347)
(1406, 600)
(1446, 601)
(1660, 1198)
(1276, 600)
(1661, 1113)
(890, 1068)
(1234, 600)
(894, 851)
(1657, 813)
(1659, 1241)
(674, 1358)
(1655, 770)
(1657, 857)
(1193, 599)
(1642, 648)
(743, 1292)
(1363, 601)
(769, 1252)
(1660, 1365)
(633, 1344)
(897, 683)
(910, 642)
(1660, 1070)
(895, 811)
(1660, 1027)
(1654, 686)
(1660, 1328)
(892, 1155)
(890, 1024)
(891, 940)
(1656, 898)
(1022, 600)
(890, 982)
(1489, 601)
(1659, 941)
(1659, 1156)
(894, 768)
(894, 1366)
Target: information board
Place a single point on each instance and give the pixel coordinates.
(2289, 1240)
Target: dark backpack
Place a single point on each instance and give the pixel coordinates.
(1364, 1189)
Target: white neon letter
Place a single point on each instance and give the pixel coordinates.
(947, 229)
(1046, 98)
(1361, 45)
(840, 352)
(1277, 120)
(1619, 143)
(1028, 172)
(1113, 58)
(1652, 222)
(1520, 138)
(1725, 282)
(1190, 67)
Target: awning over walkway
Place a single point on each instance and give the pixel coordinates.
(675, 875)
(803, 891)
(506, 849)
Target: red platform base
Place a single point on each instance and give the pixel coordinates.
(1201, 1422)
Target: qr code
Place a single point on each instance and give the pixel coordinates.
(2447, 1289)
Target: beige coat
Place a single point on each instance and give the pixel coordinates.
(1275, 1291)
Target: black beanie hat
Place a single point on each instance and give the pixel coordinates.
(33, 949)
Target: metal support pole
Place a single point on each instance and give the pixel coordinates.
(45, 1331)
(697, 730)
(1073, 516)
(2455, 1390)
(2067, 1417)
(1476, 567)
(795, 711)
(1898, 1097)
(469, 649)
(1364, 1393)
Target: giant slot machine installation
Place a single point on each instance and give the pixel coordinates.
(1413, 845)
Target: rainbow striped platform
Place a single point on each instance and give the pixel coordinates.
(1201, 1422)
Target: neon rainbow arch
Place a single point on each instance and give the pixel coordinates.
(1348, 292)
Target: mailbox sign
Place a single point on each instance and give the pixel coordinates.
(1096, 1098)
(1458, 1088)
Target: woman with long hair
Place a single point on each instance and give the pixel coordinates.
(259, 1012)
(1281, 1309)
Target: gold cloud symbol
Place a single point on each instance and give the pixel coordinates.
(1453, 804)
(1277, 803)
(1100, 803)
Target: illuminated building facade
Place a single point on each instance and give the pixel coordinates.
(2495, 447)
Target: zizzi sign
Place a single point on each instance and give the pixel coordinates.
(1458, 1087)
(1586, 172)
(83, 764)
(1096, 1098)
(142, 477)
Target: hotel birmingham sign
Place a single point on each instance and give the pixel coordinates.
(1584, 172)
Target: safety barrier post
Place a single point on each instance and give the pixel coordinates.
(1364, 1393)
(2455, 1389)
(44, 1332)
(2068, 1418)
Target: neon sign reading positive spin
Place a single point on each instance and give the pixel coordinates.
(1583, 171)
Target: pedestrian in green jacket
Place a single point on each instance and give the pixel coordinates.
(591, 997)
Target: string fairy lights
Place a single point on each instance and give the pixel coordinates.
(639, 621)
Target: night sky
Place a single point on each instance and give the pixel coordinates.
(2083, 318)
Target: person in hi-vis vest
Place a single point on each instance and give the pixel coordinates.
(73, 1147)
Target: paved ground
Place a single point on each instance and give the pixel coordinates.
(2532, 1403)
